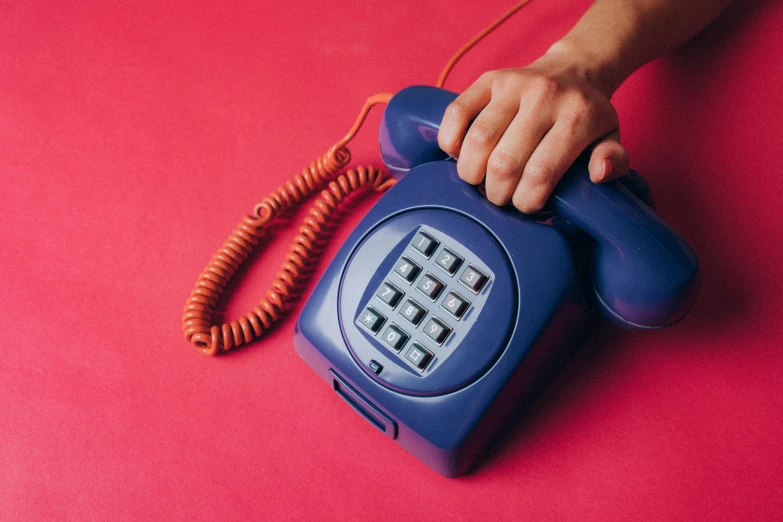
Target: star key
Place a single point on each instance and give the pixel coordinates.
(371, 319)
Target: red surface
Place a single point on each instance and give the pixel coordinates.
(132, 139)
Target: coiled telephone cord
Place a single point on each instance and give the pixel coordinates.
(200, 306)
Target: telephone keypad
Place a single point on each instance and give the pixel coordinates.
(448, 261)
(413, 312)
(455, 304)
(371, 319)
(473, 279)
(419, 356)
(395, 337)
(436, 330)
(389, 294)
(407, 269)
(430, 286)
(443, 289)
(424, 244)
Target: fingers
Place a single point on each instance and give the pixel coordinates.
(504, 168)
(482, 137)
(571, 134)
(609, 159)
(459, 114)
(520, 129)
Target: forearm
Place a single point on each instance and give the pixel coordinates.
(616, 37)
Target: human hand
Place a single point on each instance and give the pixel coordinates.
(529, 125)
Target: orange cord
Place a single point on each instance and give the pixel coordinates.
(476, 39)
(200, 306)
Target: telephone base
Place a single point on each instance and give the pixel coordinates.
(525, 314)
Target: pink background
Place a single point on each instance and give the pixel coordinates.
(134, 137)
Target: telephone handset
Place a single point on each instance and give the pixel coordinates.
(644, 273)
(442, 314)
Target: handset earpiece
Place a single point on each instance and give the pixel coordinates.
(409, 128)
(644, 275)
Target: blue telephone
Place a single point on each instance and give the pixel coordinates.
(443, 314)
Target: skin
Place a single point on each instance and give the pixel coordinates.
(529, 124)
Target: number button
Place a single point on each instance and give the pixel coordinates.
(412, 312)
(454, 304)
(436, 330)
(424, 244)
(371, 319)
(395, 337)
(448, 261)
(419, 356)
(389, 294)
(473, 279)
(430, 286)
(407, 269)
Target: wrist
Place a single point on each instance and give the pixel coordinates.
(602, 68)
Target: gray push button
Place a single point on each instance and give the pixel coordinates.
(395, 337)
(407, 269)
(371, 319)
(430, 286)
(454, 304)
(473, 279)
(448, 261)
(419, 356)
(436, 330)
(424, 244)
(413, 312)
(389, 294)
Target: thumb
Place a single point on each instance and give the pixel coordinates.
(609, 159)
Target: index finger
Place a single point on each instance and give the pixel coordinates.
(459, 114)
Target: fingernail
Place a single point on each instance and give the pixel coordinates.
(606, 169)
